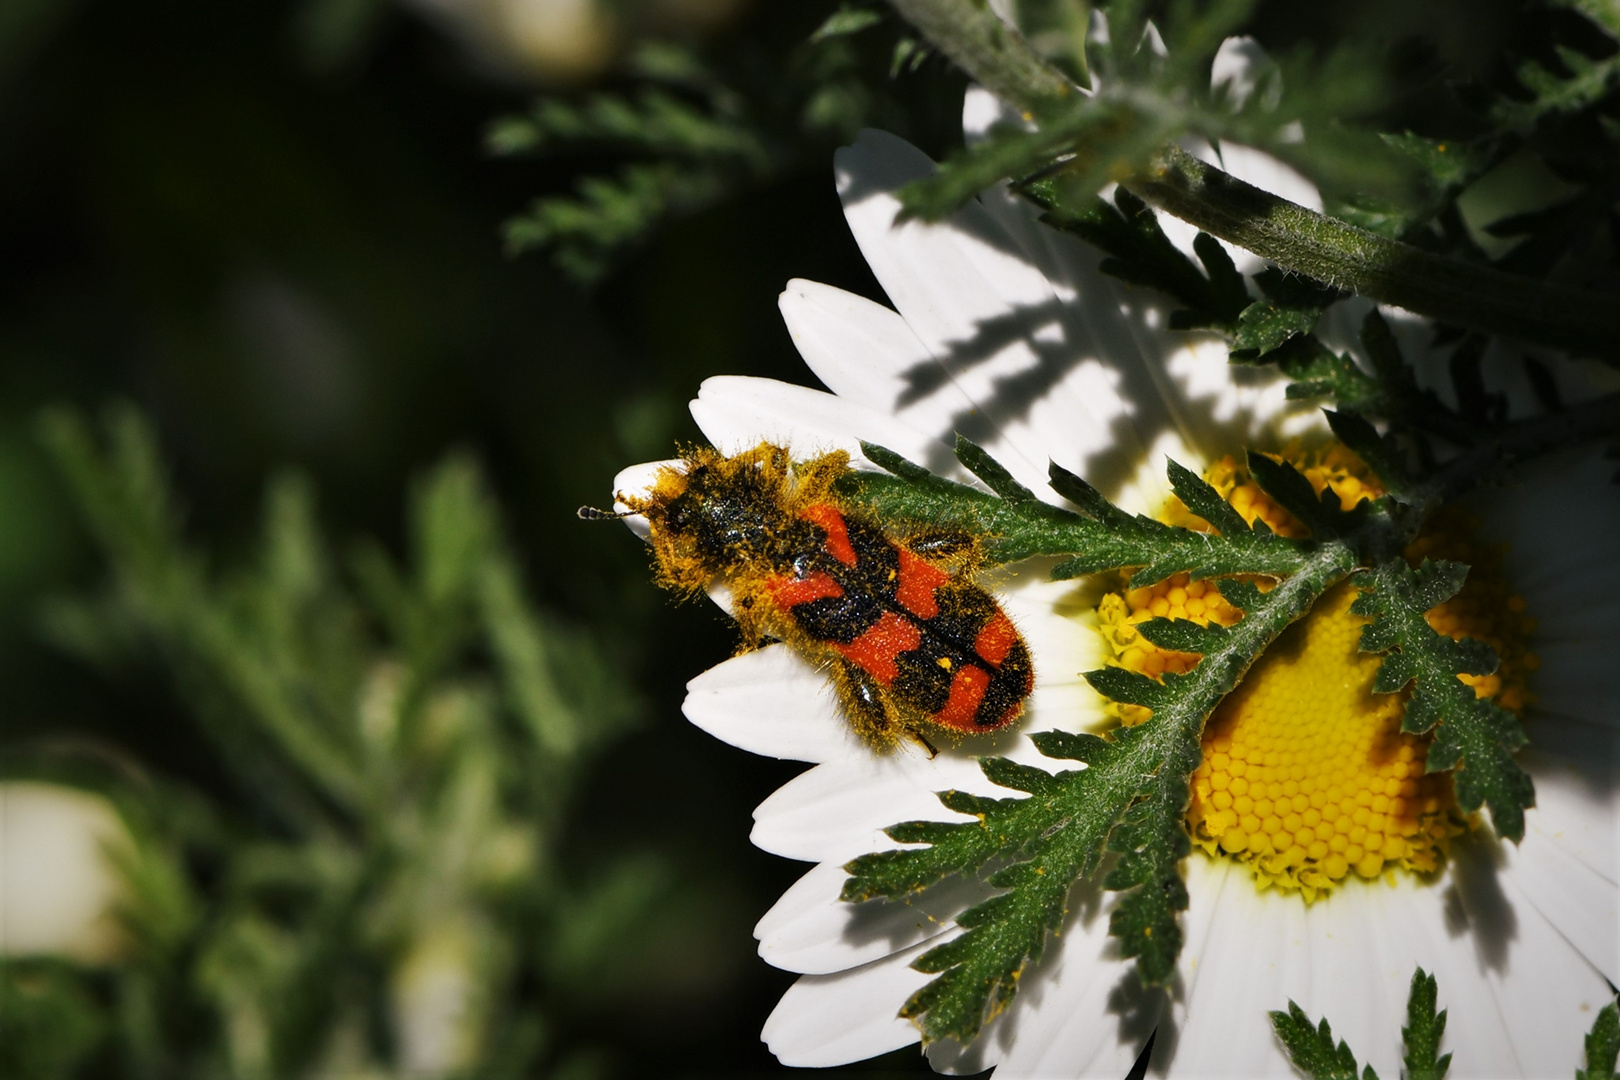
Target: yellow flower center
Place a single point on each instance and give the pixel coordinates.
(1306, 776)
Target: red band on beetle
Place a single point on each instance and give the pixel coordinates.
(967, 690)
(831, 521)
(791, 592)
(875, 651)
(996, 640)
(915, 589)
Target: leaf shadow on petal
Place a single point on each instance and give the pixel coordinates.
(1475, 903)
(1138, 1011)
(1057, 345)
(903, 923)
(1144, 1013)
(971, 220)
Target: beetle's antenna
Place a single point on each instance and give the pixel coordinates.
(591, 513)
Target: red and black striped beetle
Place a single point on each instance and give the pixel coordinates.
(910, 641)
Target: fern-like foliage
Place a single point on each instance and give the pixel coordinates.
(1129, 801)
(1149, 84)
(1425, 1027)
(1602, 1045)
(396, 744)
(689, 129)
(1475, 736)
(1316, 1056)
(1312, 1049)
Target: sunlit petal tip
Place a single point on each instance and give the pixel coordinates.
(811, 931)
(840, 809)
(638, 480)
(770, 702)
(826, 1020)
(1238, 66)
(736, 413)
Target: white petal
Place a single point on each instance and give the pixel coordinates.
(1225, 406)
(1566, 867)
(1546, 993)
(771, 702)
(1557, 519)
(1556, 516)
(638, 480)
(1113, 354)
(1161, 393)
(1502, 366)
(826, 1020)
(864, 352)
(981, 111)
(987, 316)
(737, 413)
(1351, 956)
(810, 930)
(1240, 63)
(1079, 1013)
(1254, 948)
(839, 810)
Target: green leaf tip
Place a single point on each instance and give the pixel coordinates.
(1312, 1050)
(1423, 1031)
(1602, 1045)
(1472, 735)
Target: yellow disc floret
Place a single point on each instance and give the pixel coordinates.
(1306, 776)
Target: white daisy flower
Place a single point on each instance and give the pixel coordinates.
(1007, 332)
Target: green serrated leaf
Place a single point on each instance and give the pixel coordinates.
(1243, 595)
(1132, 797)
(994, 475)
(1203, 500)
(1312, 1050)
(1131, 801)
(1475, 737)
(1100, 537)
(1182, 635)
(1379, 452)
(1265, 325)
(1602, 1046)
(1083, 495)
(1293, 492)
(1227, 291)
(1151, 840)
(1130, 687)
(1142, 254)
(1075, 746)
(1423, 1031)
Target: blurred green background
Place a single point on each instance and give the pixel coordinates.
(293, 425)
(275, 230)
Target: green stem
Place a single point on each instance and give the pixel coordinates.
(1388, 271)
(986, 48)
(1290, 235)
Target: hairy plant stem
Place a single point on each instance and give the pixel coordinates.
(1390, 272)
(1290, 235)
(995, 54)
